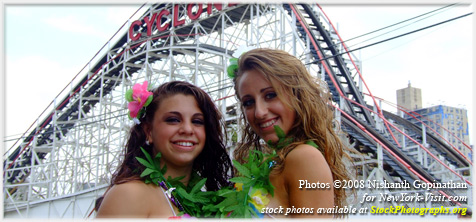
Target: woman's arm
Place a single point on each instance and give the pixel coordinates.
(305, 165)
(127, 200)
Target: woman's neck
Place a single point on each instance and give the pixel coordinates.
(174, 172)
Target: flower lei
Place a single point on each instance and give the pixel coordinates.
(245, 200)
(249, 196)
(138, 97)
(189, 199)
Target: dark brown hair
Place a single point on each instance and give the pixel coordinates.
(212, 163)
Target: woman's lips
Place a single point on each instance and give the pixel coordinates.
(184, 145)
(268, 124)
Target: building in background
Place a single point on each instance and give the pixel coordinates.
(409, 98)
(454, 120)
(449, 122)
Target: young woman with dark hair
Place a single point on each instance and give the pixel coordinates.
(182, 124)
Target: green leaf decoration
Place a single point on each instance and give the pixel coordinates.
(282, 140)
(231, 208)
(231, 70)
(156, 162)
(253, 174)
(310, 142)
(146, 172)
(199, 185)
(279, 132)
(194, 201)
(129, 95)
(255, 170)
(228, 202)
(240, 180)
(243, 170)
(149, 100)
(185, 194)
(233, 61)
(158, 156)
(147, 155)
(145, 163)
(156, 175)
(225, 192)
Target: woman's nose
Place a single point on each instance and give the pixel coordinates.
(261, 110)
(186, 128)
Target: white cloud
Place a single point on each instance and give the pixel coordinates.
(30, 88)
(75, 24)
(118, 15)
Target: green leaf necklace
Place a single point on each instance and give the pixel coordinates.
(185, 198)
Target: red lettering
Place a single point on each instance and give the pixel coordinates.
(177, 22)
(217, 6)
(190, 12)
(159, 20)
(194, 11)
(149, 23)
(131, 31)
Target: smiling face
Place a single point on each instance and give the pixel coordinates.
(263, 109)
(178, 130)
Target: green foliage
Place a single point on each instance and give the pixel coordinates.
(232, 68)
(253, 174)
(148, 101)
(153, 172)
(310, 142)
(129, 95)
(227, 202)
(194, 201)
(282, 140)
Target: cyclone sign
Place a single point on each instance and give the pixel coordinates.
(159, 20)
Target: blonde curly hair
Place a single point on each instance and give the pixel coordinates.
(308, 97)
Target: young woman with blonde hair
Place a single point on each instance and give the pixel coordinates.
(276, 92)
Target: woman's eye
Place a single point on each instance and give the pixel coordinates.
(198, 121)
(247, 103)
(172, 120)
(270, 95)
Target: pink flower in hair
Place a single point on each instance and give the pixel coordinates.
(138, 97)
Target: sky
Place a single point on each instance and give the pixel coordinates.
(438, 60)
(47, 45)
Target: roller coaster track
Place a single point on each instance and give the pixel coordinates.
(106, 75)
(70, 108)
(151, 58)
(442, 148)
(342, 86)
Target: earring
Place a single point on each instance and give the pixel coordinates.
(147, 142)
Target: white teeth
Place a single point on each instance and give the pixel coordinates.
(184, 143)
(267, 124)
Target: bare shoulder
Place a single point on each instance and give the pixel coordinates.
(306, 165)
(305, 162)
(132, 189)
(128, 199)
(305, 155)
